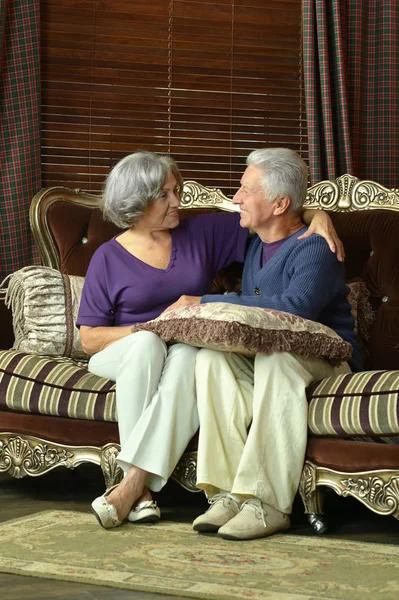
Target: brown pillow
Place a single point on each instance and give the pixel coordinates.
(248, 330)
(44, 305)
(362, 311)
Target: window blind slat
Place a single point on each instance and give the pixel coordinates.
(204, 80)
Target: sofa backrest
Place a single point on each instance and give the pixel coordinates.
(366, 217)
(68, 228)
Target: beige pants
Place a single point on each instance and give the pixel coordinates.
(155, 399)
(268, 393)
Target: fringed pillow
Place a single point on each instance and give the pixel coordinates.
(362, 311)
(248, 330)
(44, 305)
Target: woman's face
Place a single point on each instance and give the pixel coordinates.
(162, 213)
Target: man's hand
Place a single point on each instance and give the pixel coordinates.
(184, 301)
(321, 223)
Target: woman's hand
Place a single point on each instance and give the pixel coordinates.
(95, 339)
(183, 301)
(320, 222)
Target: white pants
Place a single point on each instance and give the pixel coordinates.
(155, 400)
(267, 394)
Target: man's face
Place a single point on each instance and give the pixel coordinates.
(255, 209)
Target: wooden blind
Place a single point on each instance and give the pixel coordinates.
(204, 80)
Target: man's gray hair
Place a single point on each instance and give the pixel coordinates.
(284, 173)
(135, 182)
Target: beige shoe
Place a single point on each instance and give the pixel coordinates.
(223, 508)
(146, 511)
(255, 520)
(105, 512)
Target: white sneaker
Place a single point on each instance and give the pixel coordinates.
(223, 508)
(146, 511)
(255, 520)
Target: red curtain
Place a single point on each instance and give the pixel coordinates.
(351, 81)
(19, 129)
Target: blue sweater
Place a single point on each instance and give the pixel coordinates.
(303, 278)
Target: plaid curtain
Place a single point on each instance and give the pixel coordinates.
(20, 176)
(351, 81)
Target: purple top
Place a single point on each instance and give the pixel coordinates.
(270, 248)
(120, 289)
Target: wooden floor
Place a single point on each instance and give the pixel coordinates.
(74, 490)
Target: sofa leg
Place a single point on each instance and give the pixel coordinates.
(318, 522)
(312, 498)
(112, 472)
(185, 473)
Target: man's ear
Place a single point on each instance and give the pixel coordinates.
(282, 205)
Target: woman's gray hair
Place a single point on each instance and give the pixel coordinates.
(135, 182)
(284, 173)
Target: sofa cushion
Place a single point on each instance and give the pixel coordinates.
(48, 386)
(355, 404)
(248, 330)
(44, 306)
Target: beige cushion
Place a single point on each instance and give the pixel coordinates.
(248, 330)
(44, 306)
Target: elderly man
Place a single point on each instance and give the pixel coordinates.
(253, 413)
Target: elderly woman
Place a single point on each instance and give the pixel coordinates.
(133, 278)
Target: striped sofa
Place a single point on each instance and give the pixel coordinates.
(54, 413)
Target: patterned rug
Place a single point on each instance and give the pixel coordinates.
(170, 558)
